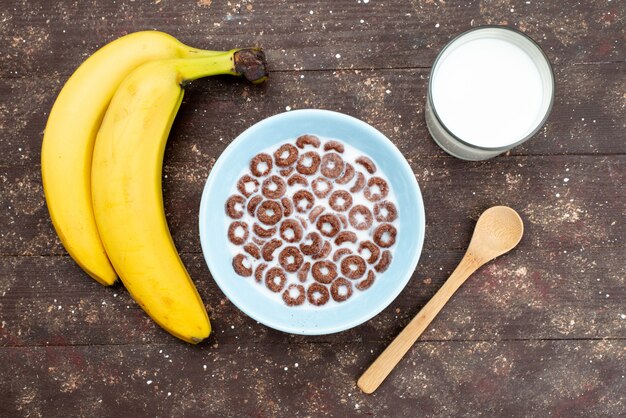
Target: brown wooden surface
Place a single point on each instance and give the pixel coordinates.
(541, 331)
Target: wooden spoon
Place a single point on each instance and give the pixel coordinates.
(498, 230)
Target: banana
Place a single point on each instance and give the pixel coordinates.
(126, 186)
(70, 133)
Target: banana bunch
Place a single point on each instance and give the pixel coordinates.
(101, 161)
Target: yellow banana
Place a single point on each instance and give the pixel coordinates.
(126, 186)
(70, 133)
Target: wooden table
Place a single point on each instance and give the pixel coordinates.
(541, 331)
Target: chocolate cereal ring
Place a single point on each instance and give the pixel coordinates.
(315, 212)
(235, 238)
(385, 235)
(343, 219)
(360, 217)
(340, 253)
(340, 200)
(308, 163)
(348, 174)
(290, 258)
(287, 206)
(242, 266)
(385, 211)
(345, 236)
(261, 165)
(253, 203)
(317, 294)
(385, 260)
(324, 271)
(294, 295)
(312, 244)
(303, 273)
(275, 279)
(332, 165)
(269, 212)
(268, 249)
(372, 249)
(329, 225)
(302, 221)
(304, 140)
(366, 163)
(263, 232)
(253, 250)
(274, 187)
(381, 185)
(337, 289)
(334, 146)
(321, 187)
(353, 267)
(234, 206)
(247, 185)
(258, 241)
(297, 179)
(303, 200)
(367, 282)
(258, 273)
(286, 155)
(324, 252)
(358, 184)
(291, 230)
(285, 172)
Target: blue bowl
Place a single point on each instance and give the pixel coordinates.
(248, 295)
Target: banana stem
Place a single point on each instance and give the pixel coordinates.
(249, 63)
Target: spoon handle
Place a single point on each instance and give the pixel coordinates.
(384, 364)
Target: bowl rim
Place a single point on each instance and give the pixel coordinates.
(419, 214)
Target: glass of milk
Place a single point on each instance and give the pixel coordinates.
(491, 88)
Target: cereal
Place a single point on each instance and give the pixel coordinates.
(360, 217)
(253, 250)
(348, 174)
(303, 273)
(315, 212)
(236, 238)
(370, 191)
(273, 187)
(261, 165)
(291, 300)
(321, 187)
(290, 259)
(297, 179)
(328, 225)
(275, 279)
(317, 294)
(324, 271)
(253, 203)
(285, 172)
(346, 236)
(385, 211)
(312, 244)
(334, 146)
(234, 206)
(268, 249)
(340, 253)
(341, 289)
(367, 282)
(248, 185)
(304, 140)
(241, 265)
(353, 267)
(258, 273)
(340, 200)
(385, 260)
(303, 200)
(385, 235)
(372, 249)
(269, 212)
(286, 155)
(263, 232)
(291, 231)
(258, 241)
(324, 252)
(332, 165)
(308, 163)
(343, 219)
(358, 184)
(287, 206)
(367, 164)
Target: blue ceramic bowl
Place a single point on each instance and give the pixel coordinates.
(248, 295)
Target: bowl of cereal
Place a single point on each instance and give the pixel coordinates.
(311, 222)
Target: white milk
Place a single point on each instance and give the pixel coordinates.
(490, 88)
